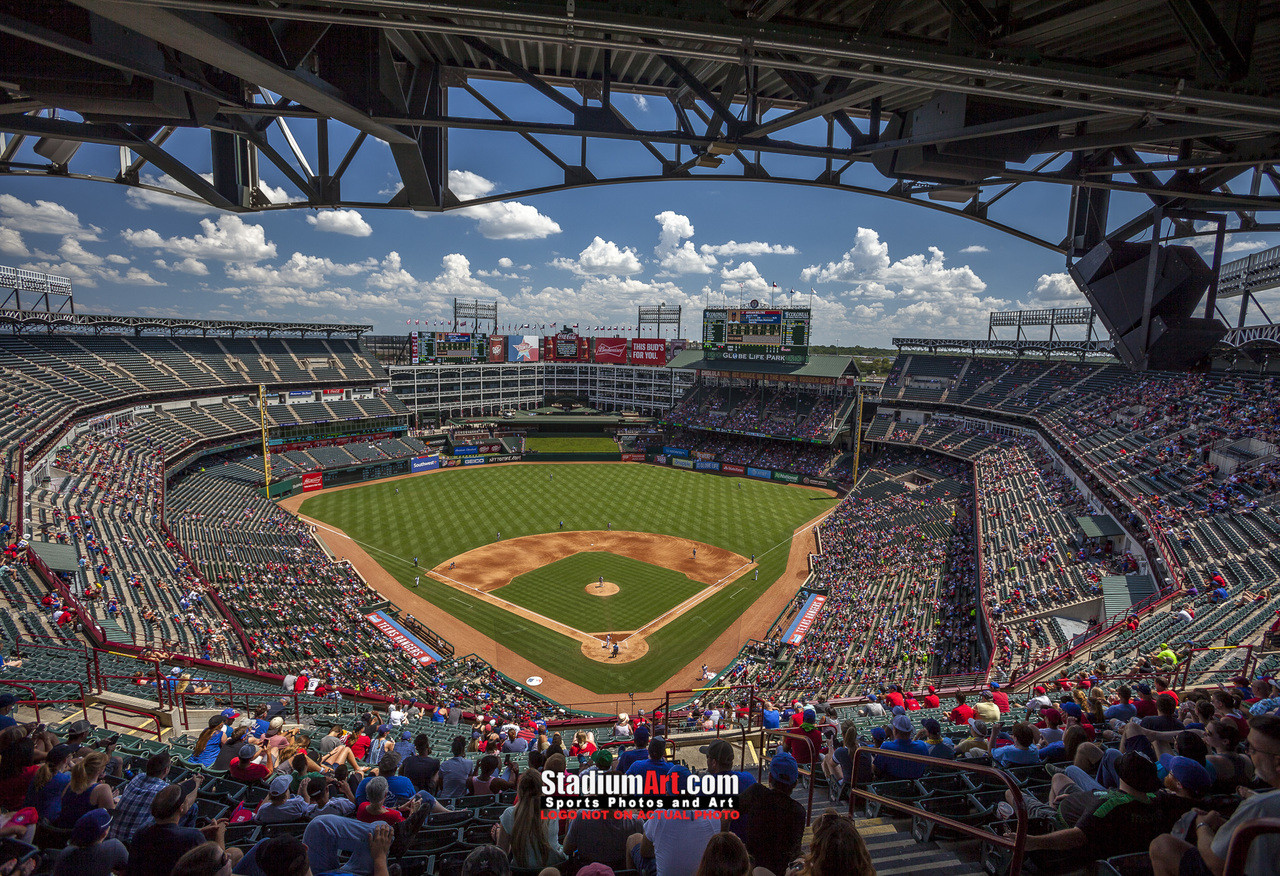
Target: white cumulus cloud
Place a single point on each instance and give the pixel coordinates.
(348, 222)
(11, 242)
(973, 248)
(734, 249)
(228, 238)
(675, 256)
(602, 258)
(501, 220)
(44, 217)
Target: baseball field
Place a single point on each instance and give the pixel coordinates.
(571, 444)
(547, 560)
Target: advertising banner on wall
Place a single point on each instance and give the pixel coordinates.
(675, 451)
(414, 349)
(706, 465)
(406, 641)
(611, 351)
(682, 463)
(523, 348)
(786, 477)
(804, 620)
(312, 480)
(424, 463)
(633, 457)
(762, 473)
(648, 351)
(465, 450)
(497, 348)
(730, 468)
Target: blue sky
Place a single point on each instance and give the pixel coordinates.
(879, 269)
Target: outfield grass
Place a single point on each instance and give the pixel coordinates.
(571, 444)
(558, 591)
(441, 514)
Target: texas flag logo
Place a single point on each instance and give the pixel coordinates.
(527, 349)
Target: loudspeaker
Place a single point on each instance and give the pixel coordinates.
(1113, 276)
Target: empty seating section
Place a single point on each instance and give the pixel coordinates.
(928, 378)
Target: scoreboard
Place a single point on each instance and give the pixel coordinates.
(756, 335)
(451, 347)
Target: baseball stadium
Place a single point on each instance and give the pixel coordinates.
(352, 594)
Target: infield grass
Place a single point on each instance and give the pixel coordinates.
(571, 444)
(441, 514)
(560, 591)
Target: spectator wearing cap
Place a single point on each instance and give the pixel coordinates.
(931, 700)
(986, 709)
(88, 851)
(939, 746)
(133, 812)
(1123, 821)
(489, 860)
(404, 746)
(976, 741)
(895, 768)
(1213, 833)
(720, 761)
(805, 754)
(7, 702)
(247, 766)
(872, 709)
(156, 848)
(280, 805)
(770, 823)
(999, 697)
(631, 756)
(1187, 778)
(209, 743)
(1039, 701)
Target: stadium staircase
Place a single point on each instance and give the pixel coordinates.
(895, 852)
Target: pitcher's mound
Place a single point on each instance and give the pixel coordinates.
(608, 588)
(632, 649)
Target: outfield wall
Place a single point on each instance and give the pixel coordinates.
(680, 459)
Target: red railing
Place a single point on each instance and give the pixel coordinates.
(1017, 844)
(18, 516)
(55, 582)
(232, 696)
(815, 762)
(666, 700)
(37, 701)
(107, 721)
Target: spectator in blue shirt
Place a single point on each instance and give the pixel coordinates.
(656, 762)
(627, 758)
(1023, 751)
(1123, 710)
(893, 767)
(770, 717)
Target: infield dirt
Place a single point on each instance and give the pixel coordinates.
(752, 623)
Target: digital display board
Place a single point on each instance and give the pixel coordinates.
(451, 347)
(566, 346)
(756, 335)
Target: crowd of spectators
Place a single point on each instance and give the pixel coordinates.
(781, 412)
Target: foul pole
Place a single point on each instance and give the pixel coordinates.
(266, 451)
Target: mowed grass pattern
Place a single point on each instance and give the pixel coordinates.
(441, 514)
(571, 444)
(560, 591)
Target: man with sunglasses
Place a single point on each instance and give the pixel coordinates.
(1171, 856)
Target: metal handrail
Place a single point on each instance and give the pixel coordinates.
(128, 710)
(1244, 834)
(1017, 843)
(243, 696)
(36, 701)
(813, 761)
